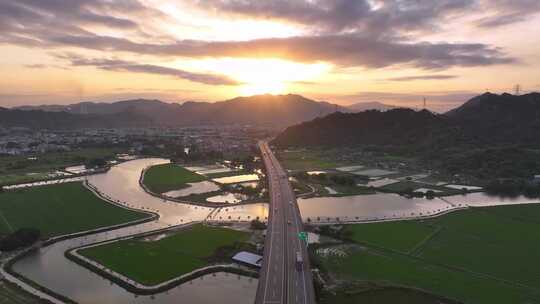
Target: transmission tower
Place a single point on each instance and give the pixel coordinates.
(425, 102)
(517, 89)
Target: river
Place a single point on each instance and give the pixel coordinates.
(49, 267)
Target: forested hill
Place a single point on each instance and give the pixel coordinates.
(498, 119)
(488, 119)
(393, 127)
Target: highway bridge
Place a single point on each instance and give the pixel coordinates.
(285, 274)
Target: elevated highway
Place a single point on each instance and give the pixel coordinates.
(285, 274)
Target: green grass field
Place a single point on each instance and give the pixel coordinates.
(400, 236)
(167, 177)
(17, 169)
(351, 190)
(154, 262)
(10, 294)
(411, 185)
(481, 255)
(385, 295)
(230, 173)
(59, 209)
(309, 160)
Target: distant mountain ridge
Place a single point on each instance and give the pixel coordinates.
(503, 118)
(373, 105)
(37, 119)
(485, 119)
(273, 110)
(133, 105)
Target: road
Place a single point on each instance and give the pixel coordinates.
(281, 279)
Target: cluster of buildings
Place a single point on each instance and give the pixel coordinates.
(20, 141)
(24, 141)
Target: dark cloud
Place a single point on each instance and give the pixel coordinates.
(422, 77)
(128, 66)
(73, 12)
(344, 50)
(354, 33)
(344, 15)
(376, 17)
(505, 12)
(501, 20)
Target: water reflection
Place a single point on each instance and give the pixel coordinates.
(49, 267)
(367, 207)
(194, 188)
(240, 213)
(237, 179)
(121, 184)
(230, 198)
(481, 199)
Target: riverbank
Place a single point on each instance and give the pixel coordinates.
(111, 252)
(61, 209)
(476, 247)
(42, 292)
(189, 202)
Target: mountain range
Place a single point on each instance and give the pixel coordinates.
(270, 110)
(486, 119)
(37, 119)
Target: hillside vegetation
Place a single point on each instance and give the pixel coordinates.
(488, 119)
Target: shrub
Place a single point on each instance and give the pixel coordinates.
(21, 238)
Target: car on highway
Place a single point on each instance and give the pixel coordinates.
(299, 261)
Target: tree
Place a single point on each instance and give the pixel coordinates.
(301, 175)
(257, 225)
(21, 238)
(96, 163)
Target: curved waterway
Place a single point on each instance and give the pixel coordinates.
(48, 266)
(372, 207)
(368, 207)
(386, 206)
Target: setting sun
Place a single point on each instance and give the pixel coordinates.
(263, 76)
(163, 117)
(263, 88)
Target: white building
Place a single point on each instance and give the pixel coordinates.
(248, 258)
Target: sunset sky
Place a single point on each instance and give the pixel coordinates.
(342, 51)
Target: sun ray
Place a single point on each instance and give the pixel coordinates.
(262, 76)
